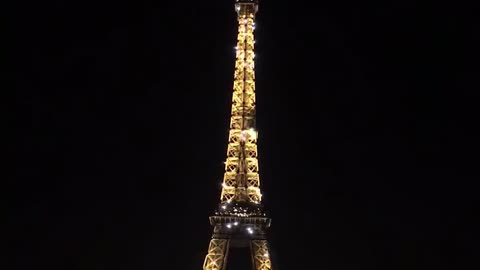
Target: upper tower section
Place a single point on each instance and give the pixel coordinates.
(241, 181)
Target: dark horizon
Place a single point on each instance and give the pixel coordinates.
(366, 113)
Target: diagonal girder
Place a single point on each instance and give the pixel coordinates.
(261, 255)
(215, 259)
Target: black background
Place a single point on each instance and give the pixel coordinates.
(367, 114)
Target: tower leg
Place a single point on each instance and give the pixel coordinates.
(217, 254)
(261, 255)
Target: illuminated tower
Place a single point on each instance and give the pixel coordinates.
(240, 220)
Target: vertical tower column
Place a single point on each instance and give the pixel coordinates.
(217, 255)
(261, 255)
(241, 180)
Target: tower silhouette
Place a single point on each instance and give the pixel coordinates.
(240, 221)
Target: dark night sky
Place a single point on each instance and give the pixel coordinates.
(367, 114)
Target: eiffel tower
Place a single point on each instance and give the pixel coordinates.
(240, 221)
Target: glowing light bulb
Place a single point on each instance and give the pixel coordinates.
(243, 136)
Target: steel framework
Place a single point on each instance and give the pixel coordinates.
(240, 220)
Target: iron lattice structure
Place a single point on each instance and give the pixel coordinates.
(240, 220)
